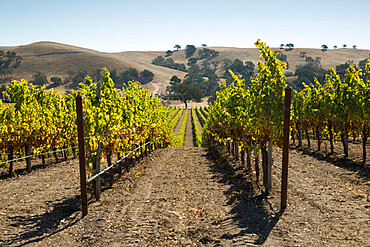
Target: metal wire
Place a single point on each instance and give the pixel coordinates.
(34, 155)
(117, 162)
(91, 87)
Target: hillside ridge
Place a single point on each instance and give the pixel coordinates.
(55, 59)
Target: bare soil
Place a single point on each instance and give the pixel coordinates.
(193, 197)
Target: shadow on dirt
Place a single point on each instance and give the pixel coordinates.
(36, 165)
(250, 209)
(37, 227)
(348, 164)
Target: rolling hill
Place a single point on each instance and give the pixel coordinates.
(55, 59)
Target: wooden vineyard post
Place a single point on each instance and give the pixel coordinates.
(284, 179)
(28, 159)
(269, 166)
(81, 154)
(96, 182)
(43, 160)
(10, 157)
(120, 166)
(111, 172)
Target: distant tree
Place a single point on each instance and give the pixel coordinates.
(180, 66)
(194, 69)
(185, 93)
(113, 75)
(354, 46)
(39, 79)
(215, 64)
(324, 47)
(177, 47)
(130, 74)
(158, 60)
(192, 61)
(226, 63)
(335, 47)
(344, 46)
(309, 60)
(207, 53)
(307, 73)
(205, 64)
(169, 63)
(76, 76)
(302, 54)
(282, 46)
(145, 76)
(289, 46)
(341, 68)
(175, 80)
(194, 76)
(8, 62)
(169, 53)
(204, 45)
(189, 50)
(239, 68)
(56, 80)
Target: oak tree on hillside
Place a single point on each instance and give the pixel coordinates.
(185, 93)
(302, 54)
(177, 47)
(130, 74)
(307, 73)
(207, 53)
(145, 76)
(289, 46)
(169, 53)
(8, 62)
(175, 80)
(189, 50)
(39, 79)
(56, 80)
(192, 61)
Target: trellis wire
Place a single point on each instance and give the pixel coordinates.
(34, 155)
(117, 162)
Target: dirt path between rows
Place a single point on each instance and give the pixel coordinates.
(191, 197)
(177, 128)
(189, 137)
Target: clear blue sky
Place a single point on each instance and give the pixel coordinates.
(157, 25)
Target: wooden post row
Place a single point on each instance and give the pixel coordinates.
(284, 179)
(81, 154)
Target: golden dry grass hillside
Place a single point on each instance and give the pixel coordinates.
(55, 59)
